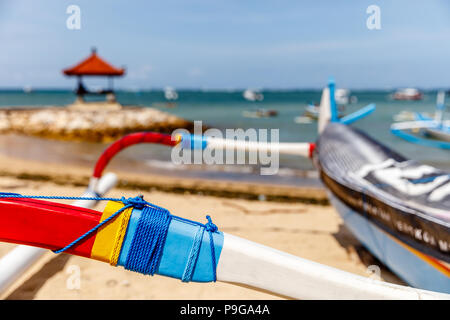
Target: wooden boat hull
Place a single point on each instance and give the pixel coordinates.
(397, 208)
(427, 273)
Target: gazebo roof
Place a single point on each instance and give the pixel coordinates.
(94, 66)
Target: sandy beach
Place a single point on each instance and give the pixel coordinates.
(311, 231)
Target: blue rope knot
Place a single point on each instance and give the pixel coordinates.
(149, 238)
(135, 202)
(210, 226)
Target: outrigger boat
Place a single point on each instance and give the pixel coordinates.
(191, 251)
(424, 130)
(399, 209)
(312, 111)
(253, 95)
(260, 113)
(341, 99)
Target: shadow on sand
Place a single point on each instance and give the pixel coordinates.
(354, 248)
(30, 287)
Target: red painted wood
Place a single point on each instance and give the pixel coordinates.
(312, 147)
(127, 141)
(94, 66)
(46, 224)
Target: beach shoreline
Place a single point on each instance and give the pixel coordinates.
(77, 175)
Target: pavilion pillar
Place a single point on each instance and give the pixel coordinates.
(110, 96)
(111, 83)
(80, 90)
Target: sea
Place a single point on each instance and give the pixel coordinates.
(222, 110)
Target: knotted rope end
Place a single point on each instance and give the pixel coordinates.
(210, 226)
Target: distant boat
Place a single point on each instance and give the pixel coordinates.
(342, 96)
(404, 115)
(170, 94)
(424, 130)
(408, 94)
(260, 113)
(312, 111)
(302, 120)
(253, 95)
(27, 89)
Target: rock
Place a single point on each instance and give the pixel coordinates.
(88, 123)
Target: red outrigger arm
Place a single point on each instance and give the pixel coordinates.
(130, 140)
(46, 224)
(193, 142)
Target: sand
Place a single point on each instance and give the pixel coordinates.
(77, 175)
(314, 232)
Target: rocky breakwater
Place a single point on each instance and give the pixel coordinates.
(93, 125)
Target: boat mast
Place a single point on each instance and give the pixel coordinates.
(440, 107)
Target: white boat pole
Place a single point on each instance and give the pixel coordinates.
(16, 262)
(301, 149)
(411, 125)
(253, 265)
(440, 107)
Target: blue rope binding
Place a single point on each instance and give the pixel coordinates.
(148, 241)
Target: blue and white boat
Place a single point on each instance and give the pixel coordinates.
(424, 130)
(397, 208)
(341, 97)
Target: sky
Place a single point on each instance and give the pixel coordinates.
(215, 44)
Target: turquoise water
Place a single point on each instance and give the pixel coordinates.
(223, 109)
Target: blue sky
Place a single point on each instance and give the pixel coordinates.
(229, 44)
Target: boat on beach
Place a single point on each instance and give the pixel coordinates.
(399, 209)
